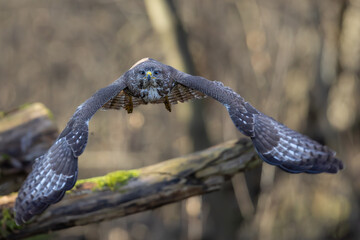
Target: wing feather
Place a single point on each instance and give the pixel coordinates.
(56, 171)
(179, 93)
(275, 143)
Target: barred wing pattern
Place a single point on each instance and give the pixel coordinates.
(53, 174)
(278, 145)
(56, 171)
(290, 150)
(179, 93)
(275, 143)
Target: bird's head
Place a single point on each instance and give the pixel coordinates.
(149, 80)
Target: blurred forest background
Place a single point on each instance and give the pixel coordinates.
(297, 61)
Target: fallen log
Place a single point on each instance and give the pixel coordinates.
(25, 134)
(122, 193)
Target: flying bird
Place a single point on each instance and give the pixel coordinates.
(150, 81)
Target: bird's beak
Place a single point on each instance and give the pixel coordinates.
(149, 75)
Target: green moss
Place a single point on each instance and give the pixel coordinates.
(7, 223)
(254, 163)
(24, 106)
(4, 158)
(50, 114)
(112, 180)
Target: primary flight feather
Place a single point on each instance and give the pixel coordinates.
(150, 81)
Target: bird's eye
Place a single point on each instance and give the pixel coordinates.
(156, 72)
(142, 72)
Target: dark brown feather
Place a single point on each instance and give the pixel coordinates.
(179, 93)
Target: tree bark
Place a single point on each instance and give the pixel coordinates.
(25, 134)
(123, 193)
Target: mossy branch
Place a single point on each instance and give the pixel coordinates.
(122, 193)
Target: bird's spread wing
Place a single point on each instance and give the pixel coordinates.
(290, 150)
(179, 93)
(275, 143)
(56, 171)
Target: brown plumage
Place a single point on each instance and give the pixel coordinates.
(126, 101)
(150, 81)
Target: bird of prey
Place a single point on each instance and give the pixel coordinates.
(150, 81)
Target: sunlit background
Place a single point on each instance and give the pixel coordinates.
(297, 61)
